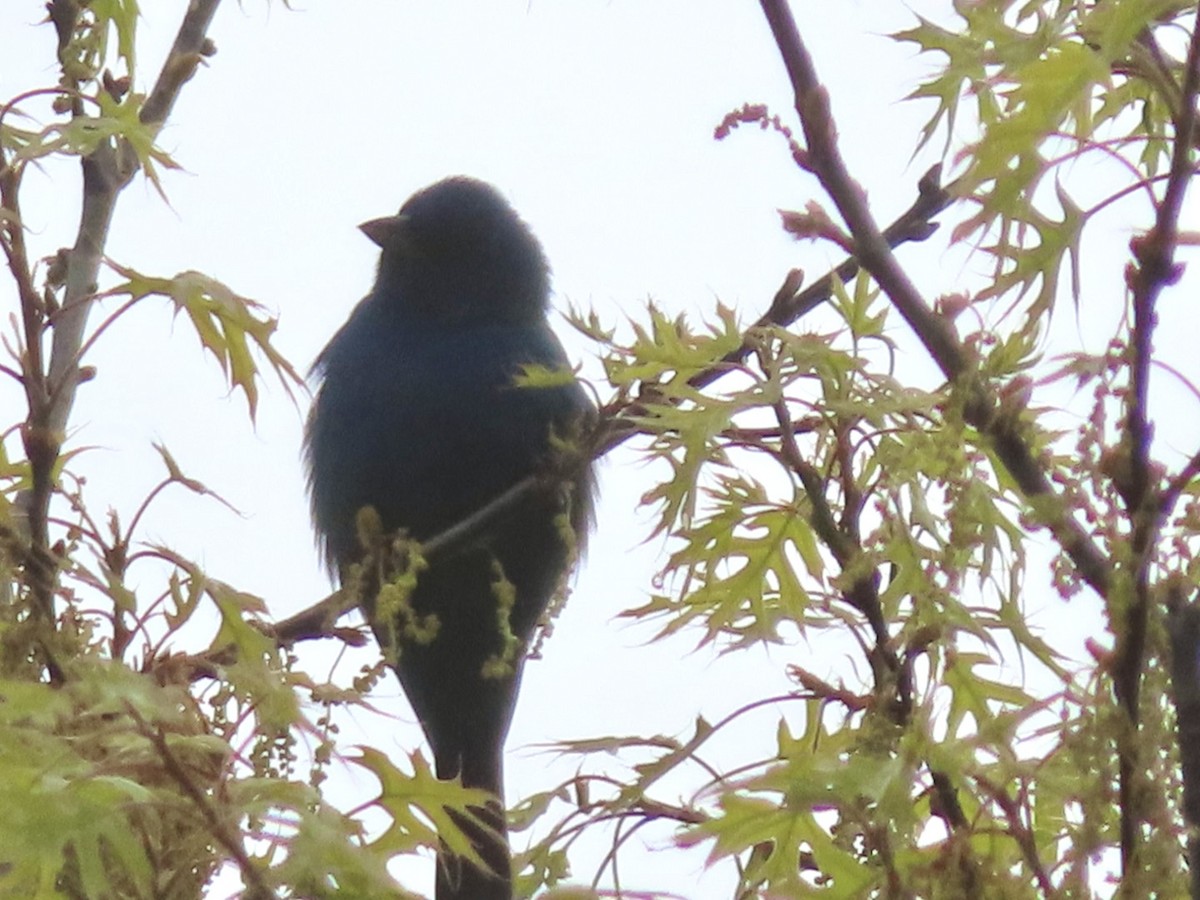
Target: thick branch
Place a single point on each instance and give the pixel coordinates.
(983, 409)
(1154, 270)
(1183, 626)
(873, 252)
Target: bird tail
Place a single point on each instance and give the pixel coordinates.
(459, 878)
(486, 827)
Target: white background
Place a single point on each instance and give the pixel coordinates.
(596, 119)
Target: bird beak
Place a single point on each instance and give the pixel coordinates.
(382, 231)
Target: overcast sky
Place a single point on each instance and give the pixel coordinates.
(596, 120)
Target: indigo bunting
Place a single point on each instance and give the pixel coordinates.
(419, 417)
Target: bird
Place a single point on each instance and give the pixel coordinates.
(420, 419)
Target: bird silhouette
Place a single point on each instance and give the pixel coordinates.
(419, 417)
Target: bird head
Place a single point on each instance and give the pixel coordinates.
(457, 252)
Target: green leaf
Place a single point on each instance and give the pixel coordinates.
(228, 325)
(419, 805)
(122, 15)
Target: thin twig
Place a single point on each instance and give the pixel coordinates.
(230, 842)
(1021, 834)
(1177, 485)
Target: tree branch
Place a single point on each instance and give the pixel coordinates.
(32, 314)
(1154, 269)
(614, 427)
(1183, 627)
(230, 841)
(983, 410)
(51, 390)
(106, 172)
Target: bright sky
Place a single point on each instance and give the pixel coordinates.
(596, 119)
